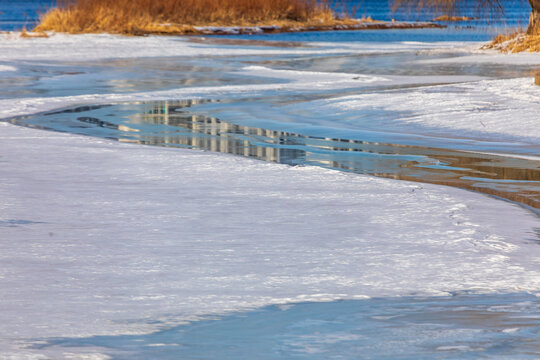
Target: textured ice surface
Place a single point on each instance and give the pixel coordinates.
(7, 68)
(93, 47)
(482, 109)
(104, 236)
(478, 109)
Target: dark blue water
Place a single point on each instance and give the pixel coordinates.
(513, 11)
(451, 33)
(16, 14)
(513, 15)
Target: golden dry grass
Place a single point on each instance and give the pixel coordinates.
(453, 18)
(28, 35)
(180, 16)
(515, 42)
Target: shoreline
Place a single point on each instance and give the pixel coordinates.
(186, 30)
(375, 25)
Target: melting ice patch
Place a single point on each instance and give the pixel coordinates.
(6, 68)
(313, 76)
(461, 326)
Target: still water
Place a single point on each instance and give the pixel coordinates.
(177, 124)
(16, 14)
(463, 326)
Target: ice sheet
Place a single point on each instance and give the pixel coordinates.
(486, 108)
(490, 108)
(98, 236)
(103, 46)
(106, 238)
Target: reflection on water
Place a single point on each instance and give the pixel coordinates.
(457, 327)
(401, 63)
(171, 123)
(52, 78)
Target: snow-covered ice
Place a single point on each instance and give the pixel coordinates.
(100, 237)
(102, 46)
(478, 106)
(488, 109)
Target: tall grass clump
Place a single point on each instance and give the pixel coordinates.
(515, 42)
(178, 16)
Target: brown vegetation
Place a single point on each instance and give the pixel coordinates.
(515, 42)
(453, 18)
(180, 16)
(29, 35)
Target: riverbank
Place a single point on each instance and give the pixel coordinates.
(284, 26)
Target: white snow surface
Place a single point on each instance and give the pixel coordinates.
(489, 56)
(482, 106)
(98, 237)
(103, 46)
(490, 107)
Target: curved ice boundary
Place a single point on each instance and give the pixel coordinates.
(504, 109)
(462, 326)
(103, 238)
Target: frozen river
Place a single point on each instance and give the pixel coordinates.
(116, 249)
(322, 101)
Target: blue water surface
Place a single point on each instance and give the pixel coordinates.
(463, 326)
(514, 15)
(16, 14)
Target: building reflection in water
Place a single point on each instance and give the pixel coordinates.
(211, 134)
(171, 123)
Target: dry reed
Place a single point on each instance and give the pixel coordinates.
(179, 16)
(453, 18)
(515, 42)
(28, 35)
